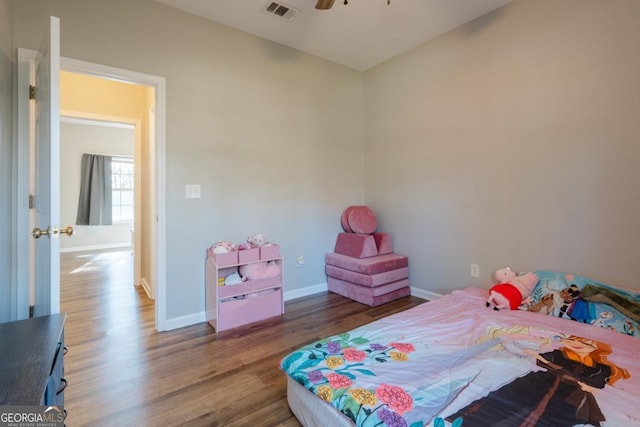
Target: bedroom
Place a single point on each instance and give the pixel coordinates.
(521, 124)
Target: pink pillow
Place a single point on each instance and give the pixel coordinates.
(362, 220)
(344, 219)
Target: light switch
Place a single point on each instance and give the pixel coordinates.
(192, 191)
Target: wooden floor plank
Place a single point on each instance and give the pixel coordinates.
(122, 372)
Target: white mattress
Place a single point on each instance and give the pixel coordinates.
(311, 411)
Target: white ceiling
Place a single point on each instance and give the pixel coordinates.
(359, 35)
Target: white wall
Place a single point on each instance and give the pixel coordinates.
(273, 135)
(77, 138)
(6, 117)
(513, 140)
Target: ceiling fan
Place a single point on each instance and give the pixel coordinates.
(326, 4)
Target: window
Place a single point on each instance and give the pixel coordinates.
(122, 178)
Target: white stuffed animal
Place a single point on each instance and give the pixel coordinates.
(222, 247)
(257, 239)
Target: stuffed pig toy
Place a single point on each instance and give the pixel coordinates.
(259, 270)
(511, 291)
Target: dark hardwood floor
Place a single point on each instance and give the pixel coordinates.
(122, 372)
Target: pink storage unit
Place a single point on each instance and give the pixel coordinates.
(269, 252)
(249, 287)
(248, 309)
(231, 306)
(230, 258)
(248, 255)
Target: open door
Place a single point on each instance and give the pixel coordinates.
(45, 295)
(46, 201)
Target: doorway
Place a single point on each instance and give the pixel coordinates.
(110, 118)
(104, 248)
(155, 242)
(103, 116)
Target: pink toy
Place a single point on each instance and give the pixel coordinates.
(221, 247)
(512, 291)
(259, 270)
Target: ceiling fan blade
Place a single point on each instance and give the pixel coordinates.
(324, 4)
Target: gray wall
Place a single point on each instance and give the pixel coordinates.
(513, 140)
(273, 136)
(6, 136)
(77, 138)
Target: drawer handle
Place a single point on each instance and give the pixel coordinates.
(64, 385)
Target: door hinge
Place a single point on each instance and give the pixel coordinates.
(31, 201)
(32, 310)
(32, 92)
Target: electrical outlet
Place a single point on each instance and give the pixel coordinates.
(475, 270)
(192, 191)
(299, 261)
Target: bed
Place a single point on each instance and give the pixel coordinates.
(572, 359)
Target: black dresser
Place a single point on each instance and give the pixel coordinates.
(32, 361)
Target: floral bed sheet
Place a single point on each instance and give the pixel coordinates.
(455, 362)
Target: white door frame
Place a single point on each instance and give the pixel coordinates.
(21, 235)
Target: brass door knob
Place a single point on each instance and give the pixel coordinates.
(37, 233)
(51, 232)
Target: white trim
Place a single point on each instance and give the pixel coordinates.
(421, 293)
(122, 245)
(183, 321)
(70, 117)
(21, 160)
(147, 288)
(306, 291)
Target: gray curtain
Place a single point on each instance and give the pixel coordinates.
(94, 204)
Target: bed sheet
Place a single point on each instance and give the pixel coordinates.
(455, 362)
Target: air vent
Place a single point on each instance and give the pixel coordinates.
(280, 10)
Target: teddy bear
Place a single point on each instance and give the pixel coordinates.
(257, 239)
(512, 290)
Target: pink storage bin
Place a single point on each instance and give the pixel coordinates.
(223, 260)
(259, 284)
(269, 252)
(248, 287)
(253, 308)
(249, 255)
(233, 290)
